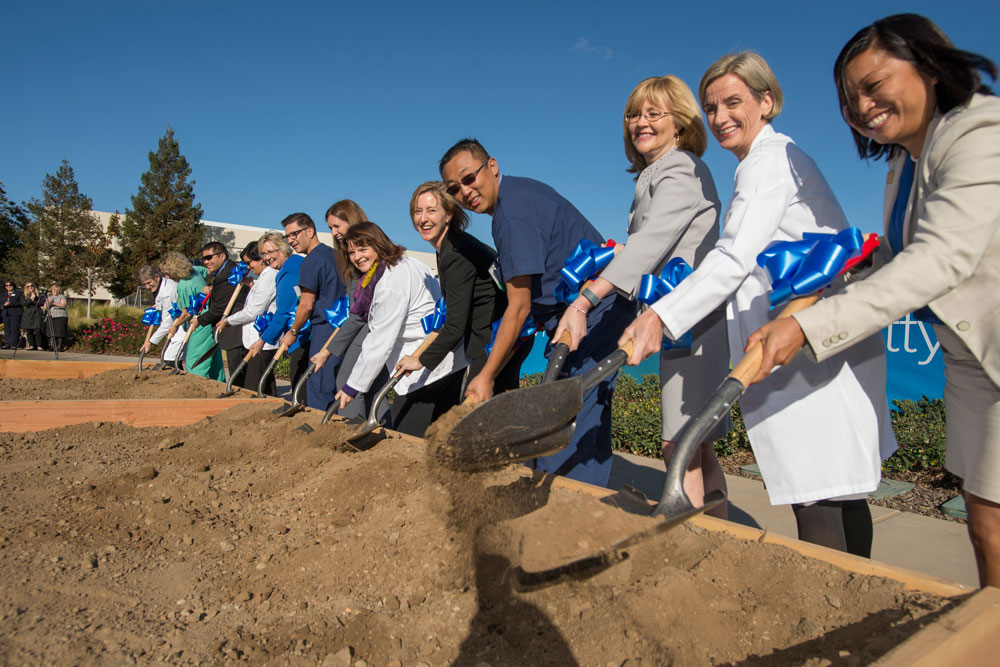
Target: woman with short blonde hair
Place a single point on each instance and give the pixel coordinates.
(756, 75)
(666, 92)
(191, 283)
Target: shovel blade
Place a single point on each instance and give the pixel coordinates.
(514, 426)
(305, 428)
(589, 566)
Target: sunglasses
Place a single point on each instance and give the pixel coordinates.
(293, 234)
(466, 180)
(205, 258)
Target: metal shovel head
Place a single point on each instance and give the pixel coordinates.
(205, 357)
(142, 355)
(589, 566)
(514, 426)
(232, 376)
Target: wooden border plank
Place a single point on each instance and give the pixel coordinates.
(24, 416)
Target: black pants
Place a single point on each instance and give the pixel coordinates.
(12, 327)
(845, 525)
(255, 368)
(34, 337)
(298, 362)
(412, 413)
(234, 356)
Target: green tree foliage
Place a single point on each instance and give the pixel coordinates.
(13, 220)
(164, 216)
(64, 243)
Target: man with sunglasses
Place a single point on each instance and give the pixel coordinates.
(215, 259)
(535, 230)
(319, 287)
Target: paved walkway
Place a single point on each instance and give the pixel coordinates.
(933, 546)
(912, 541)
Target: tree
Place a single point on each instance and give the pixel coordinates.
(13, 220)
(164, 216)
(64, 243)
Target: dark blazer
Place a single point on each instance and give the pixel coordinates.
(222, 291)
(472, 298)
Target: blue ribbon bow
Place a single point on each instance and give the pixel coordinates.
(529, 329)
(262, 322)
(238, 273)
(196, 302)
(653, 288)
(338, 314)
(151, 317)
(585, 262)
(175, 310)
(436, 319)
(800, 268)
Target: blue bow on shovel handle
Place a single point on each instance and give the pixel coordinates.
(801, 268)
(335, 317)
(585, 263)
(238, 273)
(653, 288)
(435, 320)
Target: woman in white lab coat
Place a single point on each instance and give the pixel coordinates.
(825, 472)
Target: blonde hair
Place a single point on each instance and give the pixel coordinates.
(175, 265)
(459, 218)
(279, 242)
(673, 95)
(754, 72)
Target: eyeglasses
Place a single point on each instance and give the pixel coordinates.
(205, 258)
(269, 253)
(650, 116)
(466, 180)
(293, 234)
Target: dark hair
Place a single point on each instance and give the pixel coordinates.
(918, 40)
(468, 144)
(251, 252)
(370, 235)
(215, 247)
(301, 218)
(351, 211)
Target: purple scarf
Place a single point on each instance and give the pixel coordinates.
(365, 290)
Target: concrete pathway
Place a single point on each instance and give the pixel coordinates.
(932, 546)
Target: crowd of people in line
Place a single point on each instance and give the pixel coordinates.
(819, 425)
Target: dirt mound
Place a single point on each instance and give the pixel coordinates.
(241, 538)
(121, 383)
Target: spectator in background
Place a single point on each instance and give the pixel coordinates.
(33, 319)
(55, 311)
(13, 309)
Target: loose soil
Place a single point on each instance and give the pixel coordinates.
(240, 538)
(121, 383)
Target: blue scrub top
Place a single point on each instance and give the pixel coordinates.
(535, 229)
(318, 274)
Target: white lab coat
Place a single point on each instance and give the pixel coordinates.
(260, 300)
(166, 296)
(404, 294)
(818, 431)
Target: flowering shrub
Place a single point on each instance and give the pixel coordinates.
(110, 336)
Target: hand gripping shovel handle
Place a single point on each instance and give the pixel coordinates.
(270, 369)
(182, 353)
(558, 357)
(297, 401)
(673, 500)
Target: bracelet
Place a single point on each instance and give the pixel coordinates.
(590, 296)
(576, 307)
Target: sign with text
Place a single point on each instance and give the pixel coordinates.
(915, 367)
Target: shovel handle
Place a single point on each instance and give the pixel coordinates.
(558, 357)
(750, 363)
(606, 367)
(270, 368)
(149, 333)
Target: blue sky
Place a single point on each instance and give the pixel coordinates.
(291, 106)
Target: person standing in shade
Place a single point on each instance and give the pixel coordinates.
(535, 229)
(33, 319)
(165, 290)
(215, 259)
(320, 287)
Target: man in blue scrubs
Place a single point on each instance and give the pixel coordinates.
(535, 229)
(320, 287)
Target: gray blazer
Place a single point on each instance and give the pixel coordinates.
(675, 213)
(952, 259)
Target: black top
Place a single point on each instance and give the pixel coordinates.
(473, 300)
(222, 291)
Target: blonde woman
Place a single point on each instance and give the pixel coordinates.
(674, 215)
(191, 282)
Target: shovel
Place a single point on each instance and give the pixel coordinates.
(297, 402)
(557, 358)
(239, 369)
(488, 437)
(372, 423)
(142, 350)
(181, 354)
(270, 368)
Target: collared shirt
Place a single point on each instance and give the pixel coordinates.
(166, 297)
(260, 300)
(318, 274)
